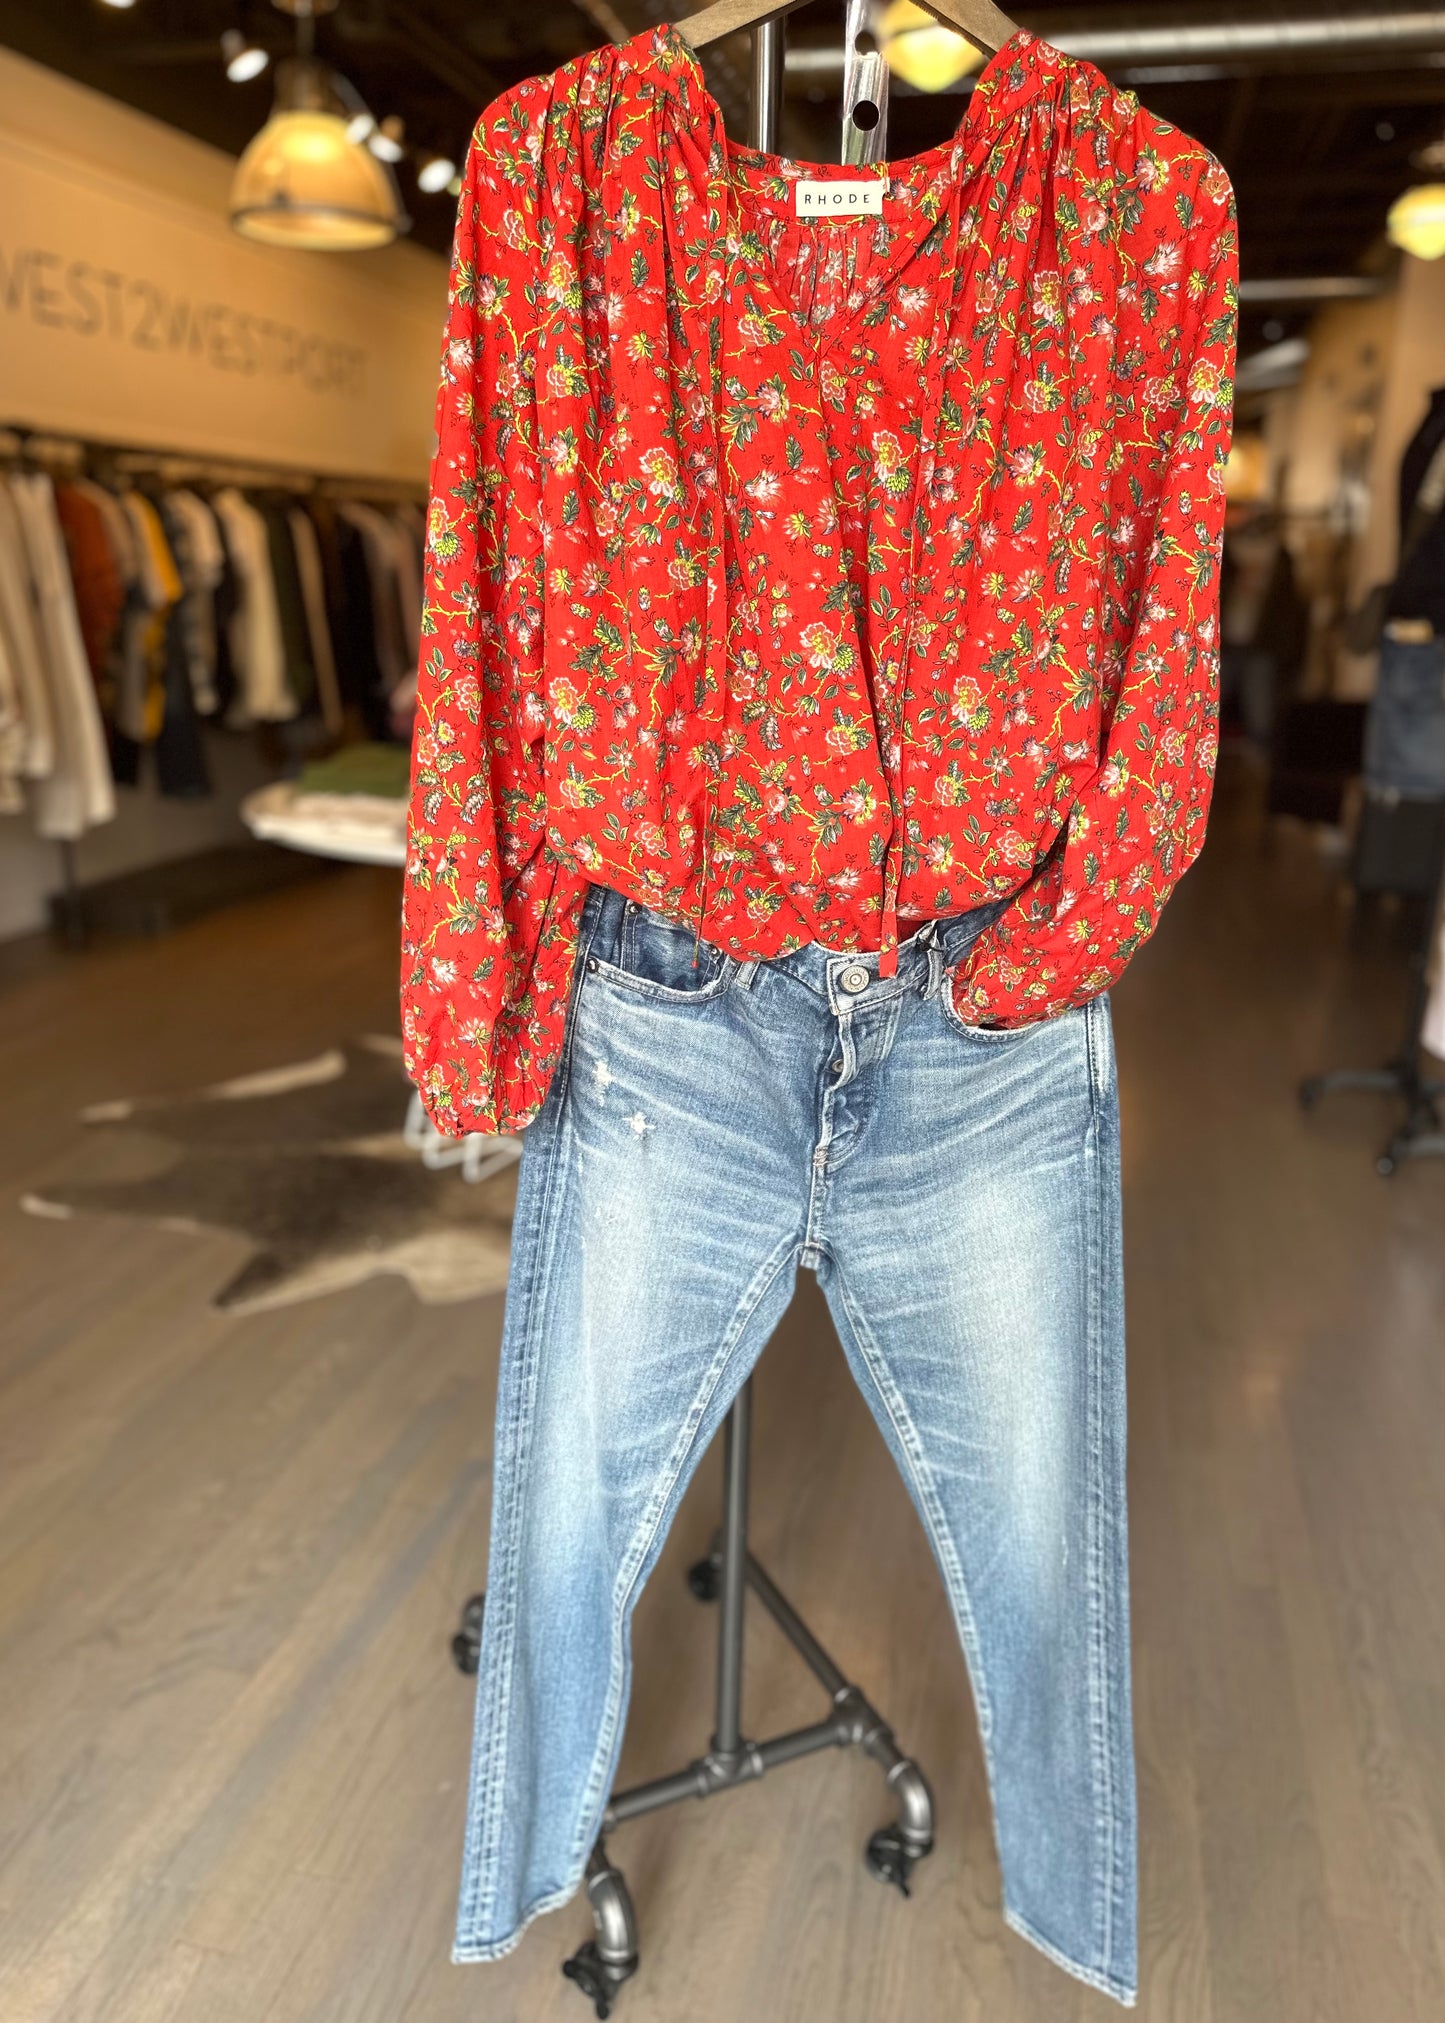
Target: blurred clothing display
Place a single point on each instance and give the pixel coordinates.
(201, 559)
(27, 745)
(140, 702)
(313, 597)
(133, 614)
(76, 791)
(1405, 733)
(256, 646)
(98, 574)
(1419, 588)
(1405, 729)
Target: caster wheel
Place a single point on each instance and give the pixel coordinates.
(598, 1981)
(887, 1858)
(1310, 1092)
(703, 1578)
(467, 1643)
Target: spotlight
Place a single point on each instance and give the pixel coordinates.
(243, 59)
(386, 142)
(435, 174)
(120, 3)
(1417, 221)
(361, 126)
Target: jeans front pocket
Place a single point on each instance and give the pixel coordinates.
(639, 951)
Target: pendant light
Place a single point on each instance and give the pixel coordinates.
(304, 181)
(1417, 221)
(921, 51)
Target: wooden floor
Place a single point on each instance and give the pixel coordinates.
(232, 1745)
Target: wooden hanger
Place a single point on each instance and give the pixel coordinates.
(979, 20)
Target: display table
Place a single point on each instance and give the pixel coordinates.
(340, 808)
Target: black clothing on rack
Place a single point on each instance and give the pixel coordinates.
(1419, 589)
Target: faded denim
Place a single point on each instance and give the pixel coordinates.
(712, 1126)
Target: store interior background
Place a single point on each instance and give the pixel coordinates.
(249, 1340)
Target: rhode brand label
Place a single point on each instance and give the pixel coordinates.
(840, 200)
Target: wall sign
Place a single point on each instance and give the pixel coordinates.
(131, 312)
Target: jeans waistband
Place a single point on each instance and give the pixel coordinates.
(934, 947)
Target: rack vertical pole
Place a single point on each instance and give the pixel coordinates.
(767, 91)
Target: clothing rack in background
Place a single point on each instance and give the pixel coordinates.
(149, 593)
(603, 1963)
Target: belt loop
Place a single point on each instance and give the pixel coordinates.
(935, 970)
(746, 975)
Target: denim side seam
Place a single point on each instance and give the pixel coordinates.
(1099, 1749)
(930, 1504)
(484, 1831)
(600, 1776)
(1102, 1724)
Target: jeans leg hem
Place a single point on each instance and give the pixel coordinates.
(1123, 1992)
(474, 1952)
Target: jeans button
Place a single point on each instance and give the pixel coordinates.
(853, 979)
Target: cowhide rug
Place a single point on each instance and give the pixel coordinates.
(309, 1163)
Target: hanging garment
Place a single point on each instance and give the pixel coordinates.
(32, 743)
(182, 770)
(307, 551)
(120, 534)
(295, 639)
(95, 577)
(408, 552)
(201, 558)
(380, 545)
(12, 732)
(358, 663)
(255, 627)
(800, 577)
(1418, 591)
(141, 699)
(78, 792)
(712, 1125)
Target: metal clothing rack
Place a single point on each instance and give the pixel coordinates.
(601, 1965)
(33, 446)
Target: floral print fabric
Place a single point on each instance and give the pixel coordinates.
(808, 578)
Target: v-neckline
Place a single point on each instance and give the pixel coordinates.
(882, 275)
(680, 58)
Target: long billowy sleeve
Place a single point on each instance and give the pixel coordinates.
(484, 966)
(1137, 823)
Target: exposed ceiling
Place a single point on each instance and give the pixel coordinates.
(1318, 143)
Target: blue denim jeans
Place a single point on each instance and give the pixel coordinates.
(712, 1126)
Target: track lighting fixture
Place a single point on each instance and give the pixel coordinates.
(244, 60)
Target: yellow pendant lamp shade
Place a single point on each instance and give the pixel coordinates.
(921, 51)
(303, 182)
(1417, 221)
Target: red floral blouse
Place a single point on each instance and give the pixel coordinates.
(807, 578)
